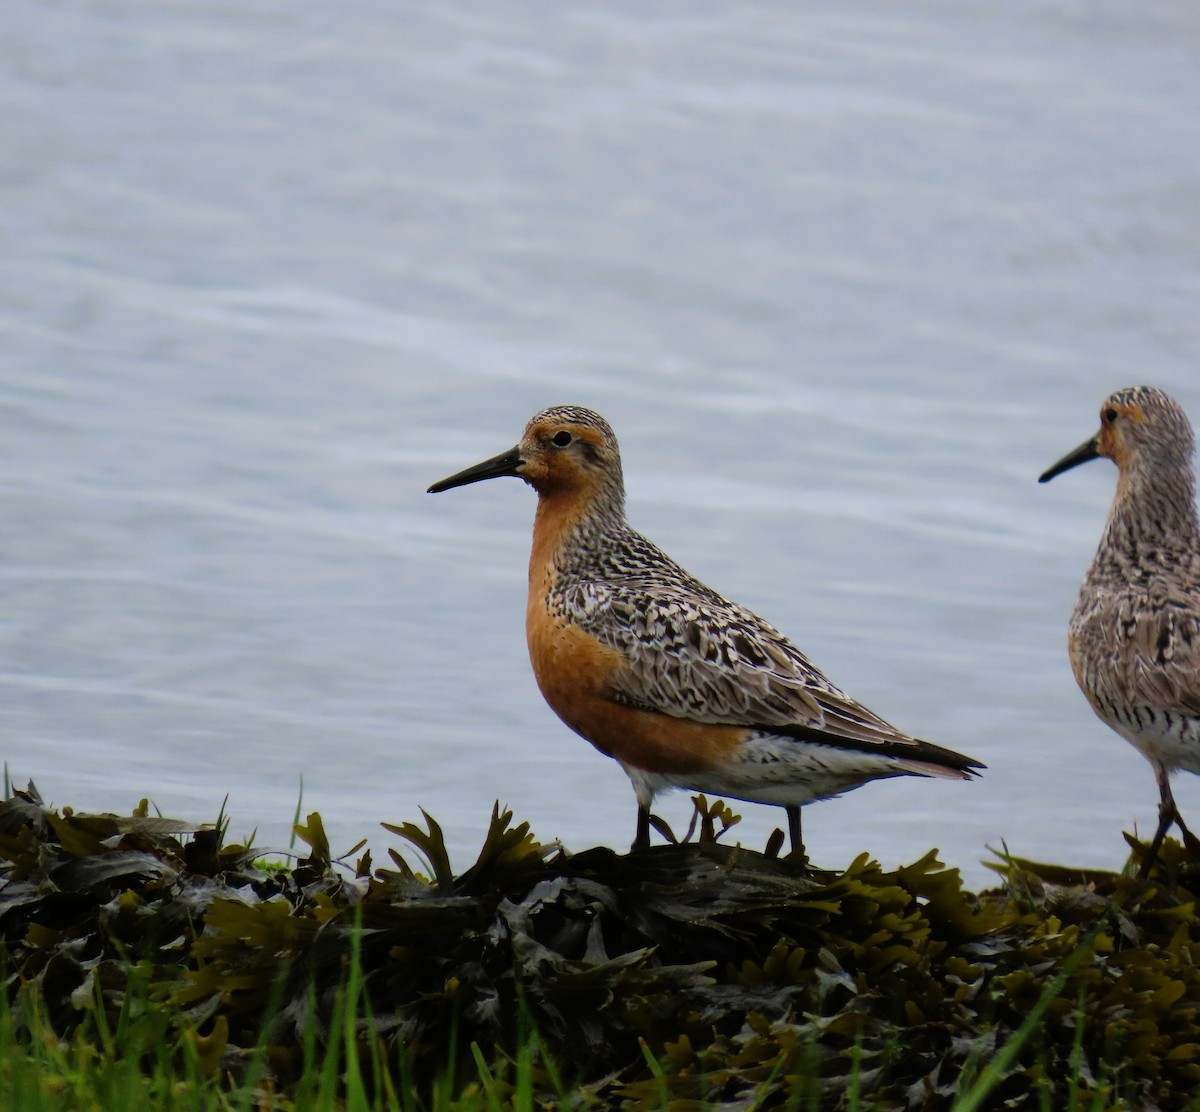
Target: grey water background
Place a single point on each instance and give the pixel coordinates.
(844, 276)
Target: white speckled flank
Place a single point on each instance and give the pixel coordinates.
(683, 687)
(1134, 636)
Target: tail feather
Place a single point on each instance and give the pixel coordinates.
(941, 771)
(921, 758)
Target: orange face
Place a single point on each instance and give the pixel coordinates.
(1113, 439)
(559, 456)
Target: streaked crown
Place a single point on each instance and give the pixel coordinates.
(1143, 422)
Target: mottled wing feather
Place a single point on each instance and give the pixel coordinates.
(693, 654)
(1140, 648)
(1162, 654)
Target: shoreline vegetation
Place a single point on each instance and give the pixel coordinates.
(150, 964)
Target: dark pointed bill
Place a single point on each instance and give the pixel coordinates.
(506, 463)
(1085, 452)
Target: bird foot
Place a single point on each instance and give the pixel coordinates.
(645, 821)
(798, 859)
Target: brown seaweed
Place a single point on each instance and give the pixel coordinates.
(694, 971)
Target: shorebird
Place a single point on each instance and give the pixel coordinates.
(678, 684)
(1134, 637)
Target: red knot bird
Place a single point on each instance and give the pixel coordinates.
(1134, 637)
(678, 684)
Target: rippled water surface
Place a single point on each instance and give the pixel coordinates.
(843, 276)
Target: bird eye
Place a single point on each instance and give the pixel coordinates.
(561, 439)
(1110, 415)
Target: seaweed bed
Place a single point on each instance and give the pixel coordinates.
(696, 971)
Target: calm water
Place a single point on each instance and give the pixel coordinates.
(844, 277)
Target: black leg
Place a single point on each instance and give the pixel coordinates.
(793, 817)
(1164, 820)
(1167, 814)
(642, 838)
(797, 855)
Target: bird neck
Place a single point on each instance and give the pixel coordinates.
(569, 523)
(1153, 508)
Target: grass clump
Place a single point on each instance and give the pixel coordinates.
(151, 964)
